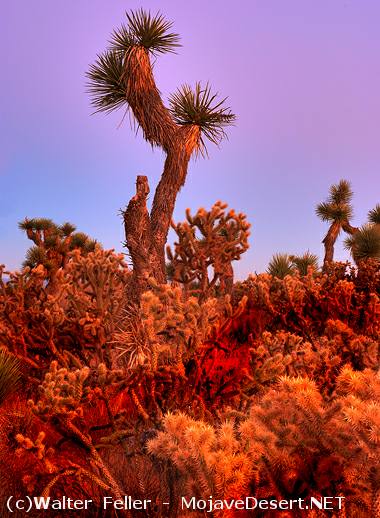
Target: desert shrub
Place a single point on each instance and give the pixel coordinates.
(39, 326)
(272, 392)
(304, 304)
(292, 445)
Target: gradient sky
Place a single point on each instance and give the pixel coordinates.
(303, 77)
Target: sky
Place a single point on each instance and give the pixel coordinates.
(302, 77)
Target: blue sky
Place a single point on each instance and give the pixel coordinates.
(302, 76)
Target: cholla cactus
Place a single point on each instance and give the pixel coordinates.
(37, 448)
(360, 407)
(210, 460)
(303, 304)
(208, 242)
(81, 315)
(165, 328)
(94, 293)
(62, 393)
(323, 447)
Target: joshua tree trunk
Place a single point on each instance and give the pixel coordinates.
(332, 236)
(329, 242)
(146, 234)
(173, 178)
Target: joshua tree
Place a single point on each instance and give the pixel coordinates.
(52, 243)
(365, 243)
(123, 77)
(337, 210)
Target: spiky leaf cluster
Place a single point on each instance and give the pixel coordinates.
(145, 30)
(365, 243)
(337, 207)
(106, 82)
(10, 374)
(52, 242)
(374, 215)
(280, 266)
(304, 262)
(200, 107)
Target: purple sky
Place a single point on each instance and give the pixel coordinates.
(302, 76)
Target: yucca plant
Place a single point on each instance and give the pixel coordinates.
(10, 374)
(122, 76)
(337, 210)
(304, 262)
(280, 266)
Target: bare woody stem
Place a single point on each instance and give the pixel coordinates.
(329, 243)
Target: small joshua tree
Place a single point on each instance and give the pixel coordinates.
(123, 77)
(337, 210)
(52, 244)
(207, 243)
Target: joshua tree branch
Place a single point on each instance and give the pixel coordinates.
(145, 101)
(172, 179)
(348, 228)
